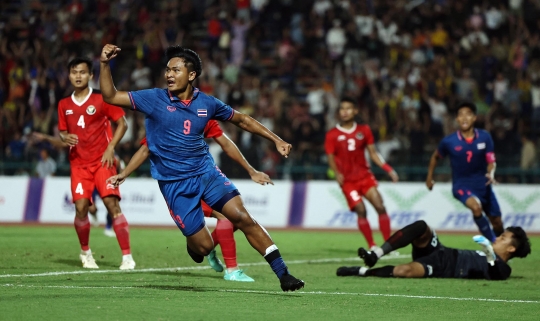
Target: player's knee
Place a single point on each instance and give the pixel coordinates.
(402, 271)
(361, 213)
(380, 209)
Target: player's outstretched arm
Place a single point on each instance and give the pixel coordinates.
(432, 164)
(108, 90)
(135, 162)
(379, 161)
(251, 125)
(230, 148)
(56, 142)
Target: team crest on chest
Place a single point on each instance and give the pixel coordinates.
(359, 136)
(171, 109)
(90, 110)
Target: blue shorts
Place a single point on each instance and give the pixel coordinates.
(183, 198)
(484, 194)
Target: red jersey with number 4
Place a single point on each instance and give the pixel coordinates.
(348, 147)
(90, 121)
(211, 130)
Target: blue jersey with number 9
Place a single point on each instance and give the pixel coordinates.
(175, 131)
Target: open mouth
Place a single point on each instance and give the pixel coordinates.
(170, 83)
(78, 82)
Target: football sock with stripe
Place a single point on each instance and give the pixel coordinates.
(82, 227)
(484, 227)
(273, 257)
(384, 226)
(382, 272)
(121, 229)
(403, 237)
(363, 226)
(224, 233)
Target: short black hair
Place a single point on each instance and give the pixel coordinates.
(466, 104)
(348, 99)
(82, 60)
(520, 241)
(191, 58)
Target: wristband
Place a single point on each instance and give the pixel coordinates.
(387, 168)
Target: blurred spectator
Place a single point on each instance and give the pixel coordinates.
(46, 165)
(528, 153)
(287, 63)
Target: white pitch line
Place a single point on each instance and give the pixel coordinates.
(184, 268)
(276, 292)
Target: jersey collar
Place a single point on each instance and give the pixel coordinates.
(174, 98)
(347, 131)
(84, 100)
(461, 137)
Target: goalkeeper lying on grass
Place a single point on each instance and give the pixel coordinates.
(432, 259)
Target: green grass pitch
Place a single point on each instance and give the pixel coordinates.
(41, 278)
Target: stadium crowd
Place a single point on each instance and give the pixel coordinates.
(287, 63)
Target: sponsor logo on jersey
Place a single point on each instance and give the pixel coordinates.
(69, 112)
(341, 138)
(481, 145)
(458, 148)
(171, 109)
(359, 136)
(202, 113)
(90, 110)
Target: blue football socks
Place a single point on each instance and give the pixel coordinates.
(484, 227)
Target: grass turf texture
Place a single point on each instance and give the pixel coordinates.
(160, 292)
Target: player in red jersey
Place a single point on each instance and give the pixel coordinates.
(345, 146)
(223, 233)
(84, 124)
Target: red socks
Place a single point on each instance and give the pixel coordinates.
(384, 225)
(82, 227)
(121, 228)
(363, 226)
(224, 236)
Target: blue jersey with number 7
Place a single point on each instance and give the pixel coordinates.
(175, 131)
(469, 158)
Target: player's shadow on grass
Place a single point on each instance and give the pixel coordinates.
(76, 263)
(174, 288)
(190, 274)
(194, 289)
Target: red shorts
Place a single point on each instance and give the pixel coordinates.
(354, 190)
(207, 210)
(85, 179)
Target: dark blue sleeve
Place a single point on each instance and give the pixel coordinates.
(489, 143)
(442, 150)
(144, 101)
(222, 111)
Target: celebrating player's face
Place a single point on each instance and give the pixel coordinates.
(177, 75)
(79, 76)
(465, 119)
(347, 111)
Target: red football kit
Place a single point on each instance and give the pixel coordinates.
(348, 147)
(212, 130)
(90, 121)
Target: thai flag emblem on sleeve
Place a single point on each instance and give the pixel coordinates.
(202, 113)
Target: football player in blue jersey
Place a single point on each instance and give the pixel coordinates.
(175, 119)
(472, 159)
